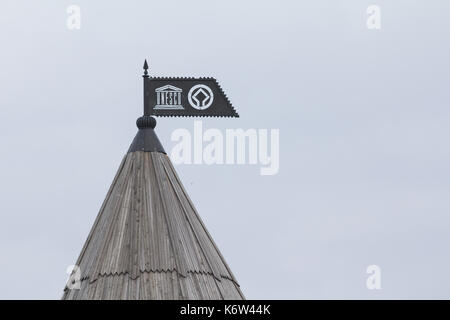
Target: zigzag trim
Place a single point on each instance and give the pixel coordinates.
(123, 273)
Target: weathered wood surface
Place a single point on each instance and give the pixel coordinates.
(148, 241)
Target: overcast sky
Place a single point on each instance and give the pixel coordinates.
(364, 137)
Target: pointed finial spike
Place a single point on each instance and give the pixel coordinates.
(145, 68)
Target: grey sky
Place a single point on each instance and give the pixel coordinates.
(364, 125)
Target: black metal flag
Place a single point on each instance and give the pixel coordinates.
(185, 97)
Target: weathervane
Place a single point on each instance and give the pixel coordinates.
(185, 97)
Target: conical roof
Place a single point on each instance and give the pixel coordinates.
(148, 241)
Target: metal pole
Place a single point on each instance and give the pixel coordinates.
(146, 90)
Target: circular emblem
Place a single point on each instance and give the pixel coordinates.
(200, 97)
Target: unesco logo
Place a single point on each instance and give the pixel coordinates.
(200, 97)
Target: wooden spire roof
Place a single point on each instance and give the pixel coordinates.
(148, 241)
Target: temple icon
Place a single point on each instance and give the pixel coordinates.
(168, 98)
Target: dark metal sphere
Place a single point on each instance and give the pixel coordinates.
(146, 122)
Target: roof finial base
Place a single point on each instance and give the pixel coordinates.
(146, 122)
